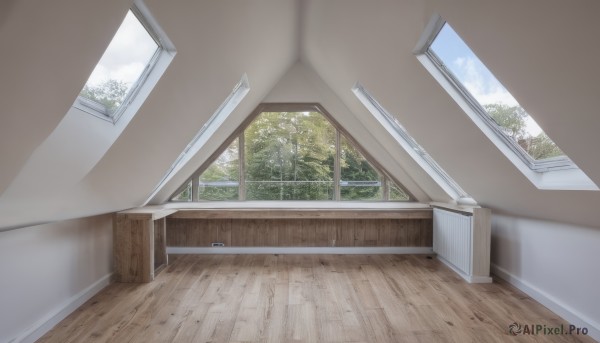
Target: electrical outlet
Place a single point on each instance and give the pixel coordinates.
(218, 244)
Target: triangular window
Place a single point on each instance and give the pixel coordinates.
(221, 180)
(294, 154)
(184, 194)
(359, 179)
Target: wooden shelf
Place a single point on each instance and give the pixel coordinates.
(278, 213)
(140, 234)
(139, 246)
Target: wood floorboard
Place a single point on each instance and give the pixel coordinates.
(306, 298)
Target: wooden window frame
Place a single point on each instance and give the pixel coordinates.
(292, 107)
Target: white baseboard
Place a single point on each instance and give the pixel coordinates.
(300, 250)
(563, 310)
(45, 324)
(468, 278)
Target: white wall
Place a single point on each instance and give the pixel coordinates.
(556, 264)
(47, 270)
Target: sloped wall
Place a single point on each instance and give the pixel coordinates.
(556, 264)
(48, 270)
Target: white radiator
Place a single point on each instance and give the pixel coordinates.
(463, 244)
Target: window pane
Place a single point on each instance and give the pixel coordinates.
(121, 65)
(185, 195)
(396, 193)
(220, 181)
(289, 156)
(499, 104)
(359, 180)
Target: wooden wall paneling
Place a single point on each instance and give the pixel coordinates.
(426, 232)
(369, 232)
(191, 233)
(133, 250)
(300, 232)
(224, 232)
(359, 234)
(295, 228)
(272, 232)
(323, 229)
(412, 233)
(385, 233)
(248, 233)
(263, 233)
(284, 233)
(398, 233)
(238, 238)
(309, 233)
(345, 233)
(160, 237)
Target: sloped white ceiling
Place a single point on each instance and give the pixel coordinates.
(47, 51)
(301, 85)
(216, 42)
(543, 51)
(540, 50)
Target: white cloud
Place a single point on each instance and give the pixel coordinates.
(127, 54)
(486, 89)
(482, 85)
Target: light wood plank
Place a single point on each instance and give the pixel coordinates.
(306, 298)
(277, 213)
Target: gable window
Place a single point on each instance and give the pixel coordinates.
(125, 67)
(494, 109)
(295, 154)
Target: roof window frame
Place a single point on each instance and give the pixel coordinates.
(162, 56)
(561, 170)
(410, 145)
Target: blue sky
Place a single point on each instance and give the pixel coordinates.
(473, 74)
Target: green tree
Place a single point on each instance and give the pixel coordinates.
(289, 156)
(512, 120)
(185, 195)
(225, 170)
(541, 147)
(110, 93)
(354, 167)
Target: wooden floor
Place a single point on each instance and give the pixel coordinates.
(306, 298)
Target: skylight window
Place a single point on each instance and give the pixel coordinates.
(125, 66)
(452, 54)
(495, 110)
(206, 132)
(416, 151)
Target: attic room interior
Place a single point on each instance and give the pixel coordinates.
(299, 171)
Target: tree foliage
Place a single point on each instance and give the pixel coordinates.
(110, 93)
(290, 156)
(224, 170)
(354, 167)
(512, 119)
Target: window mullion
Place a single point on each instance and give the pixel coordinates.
(337, 168)
(195, 188)
(386, 189)
(242, 164)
